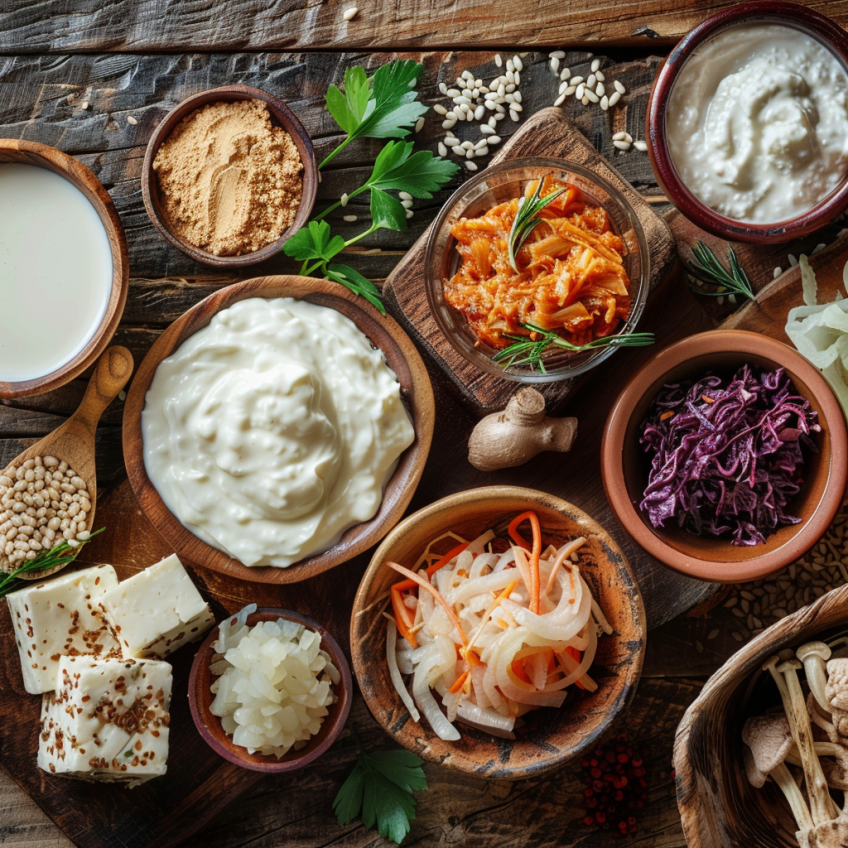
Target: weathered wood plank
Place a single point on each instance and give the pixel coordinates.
(61, 25)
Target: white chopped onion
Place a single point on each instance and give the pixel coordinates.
(394, 671)
(274, 684)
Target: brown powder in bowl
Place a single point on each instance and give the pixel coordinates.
(229, 180)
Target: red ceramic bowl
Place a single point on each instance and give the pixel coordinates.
(625, 467)
(756, 11)
(200, 698)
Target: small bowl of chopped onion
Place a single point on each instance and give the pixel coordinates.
(270, 690)
(726, 456)
(515, 640)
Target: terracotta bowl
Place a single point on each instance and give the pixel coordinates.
(756, 11)
(625, 467)
(200, 698)
(281, 116)
(42, 156)
(549, 738)
(718, 807)
(416, 392)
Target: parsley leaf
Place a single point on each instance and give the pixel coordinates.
(358, 284)
(379, 789)
(387, 213)
(397, 167)
(314, 242)
(382, 106)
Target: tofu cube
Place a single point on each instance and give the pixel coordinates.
(61, 617)
(157, 610)
(107, 720)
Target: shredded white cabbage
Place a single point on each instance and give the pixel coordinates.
(502, 645)
(820, 332)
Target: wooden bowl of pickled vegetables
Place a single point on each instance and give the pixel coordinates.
(499, 631)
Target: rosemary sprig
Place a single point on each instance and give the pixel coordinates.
(526, 221)
(707, 268)
(62, 554)
(531, 351)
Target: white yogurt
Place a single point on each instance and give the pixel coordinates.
(273, 430)
(55, 271)
(757, 122)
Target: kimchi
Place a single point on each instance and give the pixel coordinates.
(571, 278)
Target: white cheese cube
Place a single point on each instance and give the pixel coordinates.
(157, 610)
(61, 617)
(107, 720)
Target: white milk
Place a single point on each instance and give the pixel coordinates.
(55, 272)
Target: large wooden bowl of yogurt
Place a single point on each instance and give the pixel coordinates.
(416, 395)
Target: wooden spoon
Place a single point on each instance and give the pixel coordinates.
(73, 441)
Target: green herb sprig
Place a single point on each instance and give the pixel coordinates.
(525, 220)
(381, 106)
(379, 790)
(707, 268)
(531, 351)
(62, 554)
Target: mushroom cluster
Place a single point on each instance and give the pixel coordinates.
(811, 734)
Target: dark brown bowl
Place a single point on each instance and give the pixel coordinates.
(775, 11)
(550, 737)
(416, 392)
(200, 698)
(282, 116)
(718, 806)
(42, 156)
(625, 468)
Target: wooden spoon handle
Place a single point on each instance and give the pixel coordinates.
(110, 376)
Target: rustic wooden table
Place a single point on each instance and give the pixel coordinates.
(95, 78)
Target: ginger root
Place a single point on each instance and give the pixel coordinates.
(515, 435)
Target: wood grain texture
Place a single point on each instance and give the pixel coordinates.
(718, 806)
(122, 25)
(31, 153)
(415, 390)
(547, 133)
(548, 738)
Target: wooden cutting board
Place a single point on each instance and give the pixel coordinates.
(547, 133)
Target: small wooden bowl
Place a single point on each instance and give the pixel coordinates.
(549, 738)
(42, 156)
(283, 117)
(803, 18)
(625, 467)
(200, 698)
(402, 358)
(718, 806)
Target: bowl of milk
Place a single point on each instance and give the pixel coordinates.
(63, 268)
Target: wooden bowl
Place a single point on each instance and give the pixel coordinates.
(283, 117)
(718, 807)
(625, 467)
(42, 156)
(416, 392)
(809, 21)
(549, 738)
(200, 698)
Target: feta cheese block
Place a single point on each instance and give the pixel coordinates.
(157, 610)
(107, 720)
(61, 617)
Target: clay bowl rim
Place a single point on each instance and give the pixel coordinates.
(525, 758)
(43, 156)
(790, 14)
(833, 462)
(823, 614)
(282, 116)
(209, 726)
(416, 389)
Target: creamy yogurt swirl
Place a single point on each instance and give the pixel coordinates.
(757, 122)
(273, 430)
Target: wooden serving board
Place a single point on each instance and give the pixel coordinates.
(547, 133)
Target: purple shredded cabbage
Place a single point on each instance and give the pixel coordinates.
(730, 464)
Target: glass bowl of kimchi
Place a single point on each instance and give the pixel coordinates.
(578, 269)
